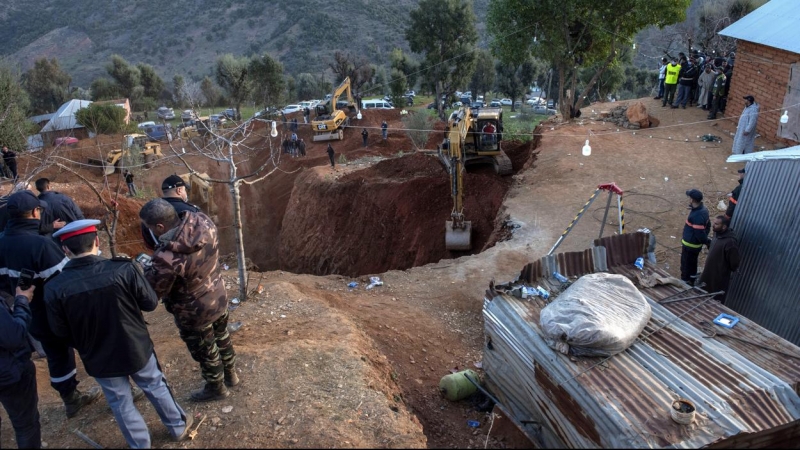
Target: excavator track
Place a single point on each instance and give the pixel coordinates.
(502, 164)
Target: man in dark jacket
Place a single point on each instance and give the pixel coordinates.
(175, 192)
(21, 247)
(62, 207)
(185, 273)
(17, 372)
(723, 258)
(10, 159)
(330, 155)
(717, 93)
(96, 304)
(364, 136)
(695, 235)
(733, 196)
(686, 79)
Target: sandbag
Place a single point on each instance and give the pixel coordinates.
(600, 314)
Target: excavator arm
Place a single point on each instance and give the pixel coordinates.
(458, 232)
(331, 121)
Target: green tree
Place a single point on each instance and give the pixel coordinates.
(210, 92)
(126, 76)
(149, 79)
(483, 78)
(513, 79)
(417, 123)
(231, 73)
(14, 125)
(574, 34)
(47, 85)
(397, 87)
(178, 88)
(104, 89)
(444, 31)
(406, 65)
(357, 68)
(266, 75)
(101, 119)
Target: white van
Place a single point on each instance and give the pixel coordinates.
(376, 103)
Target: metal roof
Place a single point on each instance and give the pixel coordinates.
(64, 118)
(786, 153)
(766, 286)
(774, 24)
(745, 396)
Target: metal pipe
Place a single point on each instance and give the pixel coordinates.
(87, 439)
(691, 298)
(605, 215)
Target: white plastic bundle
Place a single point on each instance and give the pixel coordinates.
(600, 314)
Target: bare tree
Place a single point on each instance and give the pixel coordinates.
(235, 147)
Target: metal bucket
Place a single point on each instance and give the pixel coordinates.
(682, 411)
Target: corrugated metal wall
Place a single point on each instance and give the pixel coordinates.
(766, 288)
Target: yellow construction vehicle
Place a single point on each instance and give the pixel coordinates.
(330, 121)
(150, 151)
(472, 136)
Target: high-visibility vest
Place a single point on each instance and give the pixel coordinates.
(672, 74)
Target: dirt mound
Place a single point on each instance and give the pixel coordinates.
(388, 216)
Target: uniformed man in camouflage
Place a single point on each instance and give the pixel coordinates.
(184, 271)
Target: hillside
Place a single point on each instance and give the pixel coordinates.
(186, 37)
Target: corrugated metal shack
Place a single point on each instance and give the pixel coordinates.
(767, 285)
(746, 396)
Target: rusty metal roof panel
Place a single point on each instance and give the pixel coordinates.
(744, 396)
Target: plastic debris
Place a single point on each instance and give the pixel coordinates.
(639, 263)
(473, 424)
(227, 409)
(235, 301)
(374, 281)
(225, 267)
(352, 284)
(234, 326)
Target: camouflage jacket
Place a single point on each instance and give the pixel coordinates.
(185, 272)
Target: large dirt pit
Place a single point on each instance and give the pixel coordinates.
(382, 210)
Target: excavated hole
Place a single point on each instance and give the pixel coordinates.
(390, 215)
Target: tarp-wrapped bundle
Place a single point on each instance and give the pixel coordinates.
(600, 314)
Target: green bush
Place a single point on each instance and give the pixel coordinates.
(101, 119)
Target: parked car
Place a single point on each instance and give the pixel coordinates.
(229, 114)
(410, 94)
(539, 109)
(506, 101)
(66, 141)
(217, 119)
(156, 132)
(479, 98)
(551, 104)
(536, 101)
(188, 115)
(288, 109)
(477, 104)
(495, 104)
(518, 104)
(165, 113)
(143, 125)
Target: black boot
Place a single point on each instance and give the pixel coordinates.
(231, 379)
(211, 392)
(77, 400)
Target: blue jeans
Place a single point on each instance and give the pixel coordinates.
(660, 88)
(21, 403)
(683, 95)
(150, 379)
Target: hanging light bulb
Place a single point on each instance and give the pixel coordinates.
(785, 117)
(274, 132)
(359, 116)
(587, 150)
(634, 45)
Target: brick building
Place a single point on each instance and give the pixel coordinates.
(768, 68)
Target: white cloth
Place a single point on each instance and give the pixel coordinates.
(747, 123)
(705, 82)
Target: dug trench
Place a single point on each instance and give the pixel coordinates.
(382, 210)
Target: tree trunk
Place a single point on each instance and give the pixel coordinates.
(565, 100)
(237, 227)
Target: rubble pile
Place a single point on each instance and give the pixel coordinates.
(632, 117)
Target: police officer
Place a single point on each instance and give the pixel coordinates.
(96, 304)
(17, 372)
(174, 191)
(62, 207)
(733, 197)
(695, 235)
(21, 247)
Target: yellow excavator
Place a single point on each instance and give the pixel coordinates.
(150, 151)
(472, 136)
(330, 121)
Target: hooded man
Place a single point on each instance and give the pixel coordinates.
(695, 235)
(745, 137)
(705, 82)
(723, 259)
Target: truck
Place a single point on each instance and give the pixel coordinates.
(149, 151)
(331, 119)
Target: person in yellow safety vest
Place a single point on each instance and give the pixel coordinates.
(695, 235)
(671, 82)
(733, 197)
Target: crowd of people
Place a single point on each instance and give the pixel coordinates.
(59, 293)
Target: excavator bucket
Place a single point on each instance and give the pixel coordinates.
(459, 239)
